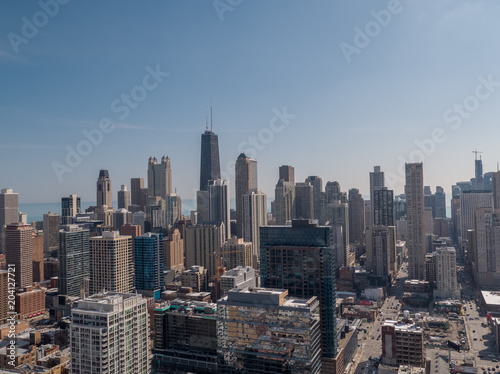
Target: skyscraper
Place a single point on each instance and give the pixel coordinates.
(301, 258)
(338, 215)
(148, 258)
(123, 197)
(381, 252)
(478, 180)
(111, 263)
(304, 201)
(209, 163)
(173, 251)
(19, 251)
(173, 205)
(74, 259)
(202, 245)
(414, 190)
(109, 334)
(104, 190)
(9, 212)
(287, 173)
(470, 201)
(245, 179)
(38, 261)
(332, 190)
(70, 207)
(486, 247)
(446, 273)
(496, 189)
(356, 217)
(439, 210)
(383, 207)
(218, 192)
(51, 222)
(376, 183)
(317, 184)
(137, 196)
(159, 177)
(284, 202)
(254, 216)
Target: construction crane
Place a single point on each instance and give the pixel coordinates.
(476, 152)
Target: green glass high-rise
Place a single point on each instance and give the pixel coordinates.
(301, 259)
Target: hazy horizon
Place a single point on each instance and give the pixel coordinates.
(330, 88)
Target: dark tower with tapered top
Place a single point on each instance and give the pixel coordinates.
(209, 165)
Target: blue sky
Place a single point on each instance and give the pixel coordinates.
(254, 60)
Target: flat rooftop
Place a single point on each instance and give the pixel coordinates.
(491, 297)
(401, 326)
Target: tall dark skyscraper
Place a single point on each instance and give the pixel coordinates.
(209, 164)
(301, 258)
(383, 207)
(478, 185)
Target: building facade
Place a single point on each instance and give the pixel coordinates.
(19, 251)
(209, 162)
(111, 263)
(402, 344)
(109, 334)
(219, 204)
(148, 264)
(9, 212)
(245, 179)
(74, 259)
(414, 190)
(185, 337)
(258, 332)
(159, 177)
(202, 244)
(301, 258)
(104, 190)
(254, 216)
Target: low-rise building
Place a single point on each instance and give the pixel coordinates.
(240, 277)
(30, 302)
(24, 354)
(403, 343)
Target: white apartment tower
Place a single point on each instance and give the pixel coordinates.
(109, 334)
(446, 273)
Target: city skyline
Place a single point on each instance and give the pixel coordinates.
(253, 64)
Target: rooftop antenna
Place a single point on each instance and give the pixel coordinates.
(498, 166)
(211, 122)
(206, 120)
(476, 152)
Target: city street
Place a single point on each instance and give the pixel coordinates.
(371, 342)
